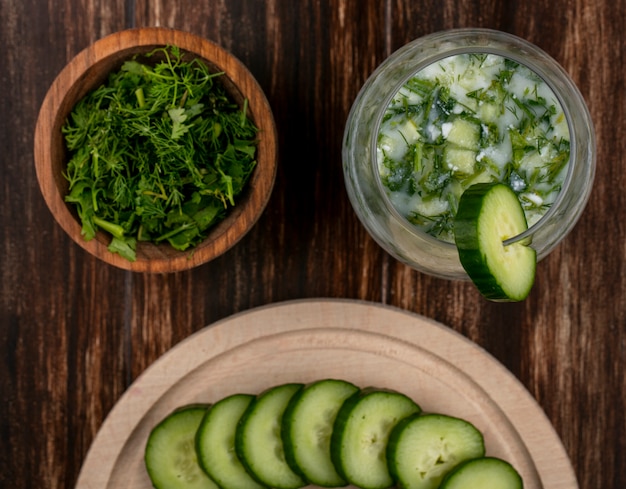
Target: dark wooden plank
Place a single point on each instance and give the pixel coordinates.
(63, 330)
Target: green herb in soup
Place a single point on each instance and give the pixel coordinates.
(471, 118)
(158, 153)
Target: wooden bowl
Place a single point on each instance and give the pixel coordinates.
(87, 71)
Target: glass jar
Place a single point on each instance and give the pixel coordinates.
(368, 196)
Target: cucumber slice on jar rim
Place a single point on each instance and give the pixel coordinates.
(488, 215)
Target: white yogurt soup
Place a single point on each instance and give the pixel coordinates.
(465, 119)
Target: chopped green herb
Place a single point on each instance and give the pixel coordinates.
(157, 153)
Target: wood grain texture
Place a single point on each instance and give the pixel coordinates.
(55, 345)
(75, 332)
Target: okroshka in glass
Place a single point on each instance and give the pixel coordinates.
(393, 232)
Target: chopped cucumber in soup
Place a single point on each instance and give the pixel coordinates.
(466, 119)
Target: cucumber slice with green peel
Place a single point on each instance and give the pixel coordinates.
(361, 432)
(215, 443)
(307, 429)
(170, 455)
(479, 473)
(489, 214)
(422, 449)
(258, 439)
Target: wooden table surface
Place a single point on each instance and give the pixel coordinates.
(75, 332)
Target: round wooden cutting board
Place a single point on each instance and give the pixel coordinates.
(301, 341)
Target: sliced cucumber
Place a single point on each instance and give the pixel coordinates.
(170, 455)
(258, 439)
(479, 473)
(488, 214)
(361, 432)
(422, 449)
(307, 429)
(328, 434)
(215, 443)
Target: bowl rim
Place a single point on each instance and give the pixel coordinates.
(81, 74)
